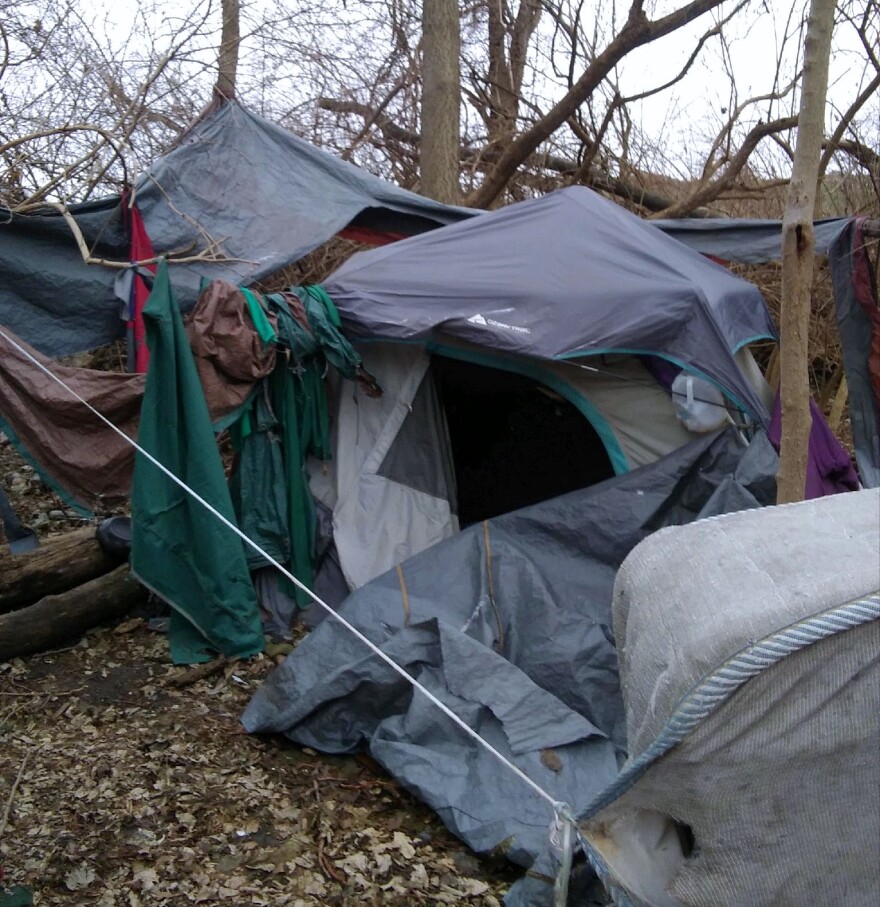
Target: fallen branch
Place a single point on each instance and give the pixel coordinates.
(199, 672)
(59, 565)
(15, 784)
(58, 618)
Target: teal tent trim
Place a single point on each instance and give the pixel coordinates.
(618, 460)
(180, 550)
(754, 339)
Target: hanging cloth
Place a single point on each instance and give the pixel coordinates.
(140, 249)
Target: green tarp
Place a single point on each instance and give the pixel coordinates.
(180, 550)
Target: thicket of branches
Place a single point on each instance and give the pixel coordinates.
(553, 92)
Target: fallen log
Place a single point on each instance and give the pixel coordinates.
(59, 564)
(56, 619)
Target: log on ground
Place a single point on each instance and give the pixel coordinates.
(57, 619)
(60, 564)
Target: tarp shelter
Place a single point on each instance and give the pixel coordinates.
(855, 296)
(236, 187)
(281, 197)
(509, 623)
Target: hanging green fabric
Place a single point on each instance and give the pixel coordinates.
(258, 316)
(180, 550)
(286, 422)
(257, 485)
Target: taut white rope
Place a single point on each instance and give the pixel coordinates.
(558, 808)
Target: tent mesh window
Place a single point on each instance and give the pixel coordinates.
(514, 441)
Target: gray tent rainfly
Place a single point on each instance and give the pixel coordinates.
(561, 277)
(518, 352)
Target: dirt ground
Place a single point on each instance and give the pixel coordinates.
(126, 781)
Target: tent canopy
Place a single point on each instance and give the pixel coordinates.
(559, 277)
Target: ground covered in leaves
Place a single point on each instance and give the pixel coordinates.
(125, 781)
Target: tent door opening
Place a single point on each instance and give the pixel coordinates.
(514, 441)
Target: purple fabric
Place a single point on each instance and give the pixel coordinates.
(829, 468)
(662, 371)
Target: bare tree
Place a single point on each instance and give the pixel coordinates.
(227, 58)
(797, 257)
(548, 94)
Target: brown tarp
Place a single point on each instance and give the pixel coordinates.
(80, 454)
(72, 447)
(229, 354)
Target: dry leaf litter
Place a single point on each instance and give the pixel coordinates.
(130, 790)
(127, 781)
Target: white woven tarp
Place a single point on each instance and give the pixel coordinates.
(752, 695)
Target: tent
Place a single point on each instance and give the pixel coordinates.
(524, 354)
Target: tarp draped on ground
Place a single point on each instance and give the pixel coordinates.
(517, 639)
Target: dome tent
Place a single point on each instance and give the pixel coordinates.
(566, 299)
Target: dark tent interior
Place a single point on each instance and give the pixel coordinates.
(515, 441)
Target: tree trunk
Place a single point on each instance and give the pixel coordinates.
(60, 564)
(439, 153)
(227, 58)
(57, 619)
(797, 258)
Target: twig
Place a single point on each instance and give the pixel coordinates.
(199, 672)
(15, 784)
(326, 865)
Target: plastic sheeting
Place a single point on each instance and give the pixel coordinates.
(858, 318)
(509, 623)
(278, 198)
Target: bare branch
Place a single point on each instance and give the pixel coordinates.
(833, 142)
(637, 32)
(708, 192)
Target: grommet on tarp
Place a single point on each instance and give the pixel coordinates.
(563, 842)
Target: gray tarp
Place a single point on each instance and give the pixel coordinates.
(858, 319)
(517, 639)
(748, 241)
(758, 241)
(265, 195)
(567, 275)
